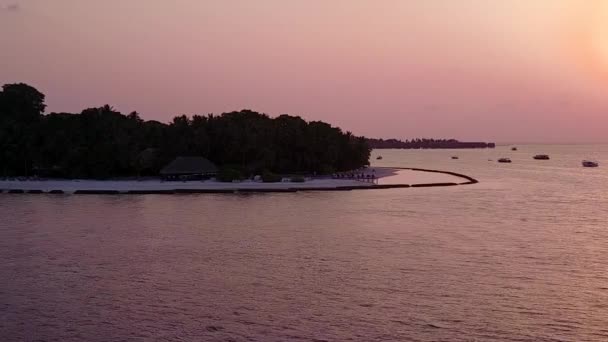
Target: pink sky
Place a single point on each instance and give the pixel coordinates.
(506, 71)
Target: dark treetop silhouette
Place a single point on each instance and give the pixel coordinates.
(102, 143)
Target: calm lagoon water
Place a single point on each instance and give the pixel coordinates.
(522, 256)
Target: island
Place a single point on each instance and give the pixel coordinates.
(426, 144)
(103, 151)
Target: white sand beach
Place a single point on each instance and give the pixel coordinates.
(69, 186)
(397, 176)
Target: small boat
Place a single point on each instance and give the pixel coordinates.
(541, 157)
(454, 157)
(513, 148)
(589, 163)
(504, 160)
(379, 158)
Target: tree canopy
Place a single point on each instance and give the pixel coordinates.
(102, 142)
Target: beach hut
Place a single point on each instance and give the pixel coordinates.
(188, 168)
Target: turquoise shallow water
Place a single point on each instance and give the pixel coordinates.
(522, 256)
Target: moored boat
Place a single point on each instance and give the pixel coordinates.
(379, 158)
(504, 160)
(541, 157)
(589, 163)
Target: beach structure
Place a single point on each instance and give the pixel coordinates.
(188, 168)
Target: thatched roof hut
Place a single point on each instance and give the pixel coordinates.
(189, 166)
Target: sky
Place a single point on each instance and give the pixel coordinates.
(504, 71)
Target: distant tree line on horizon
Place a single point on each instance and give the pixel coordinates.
(104, 143)
(425, 144)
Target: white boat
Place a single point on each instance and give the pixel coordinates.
(504, 160)
(541, 157)
(589, 163)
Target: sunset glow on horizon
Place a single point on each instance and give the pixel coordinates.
(506, 71)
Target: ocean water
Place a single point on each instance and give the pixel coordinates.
(521, 256)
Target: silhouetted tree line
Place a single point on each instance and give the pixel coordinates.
(426, 144)
(102, 142)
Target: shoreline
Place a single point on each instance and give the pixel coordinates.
(406, 178)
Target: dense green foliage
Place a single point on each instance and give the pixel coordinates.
(269, 177)
(229, 174)
(101, 142)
